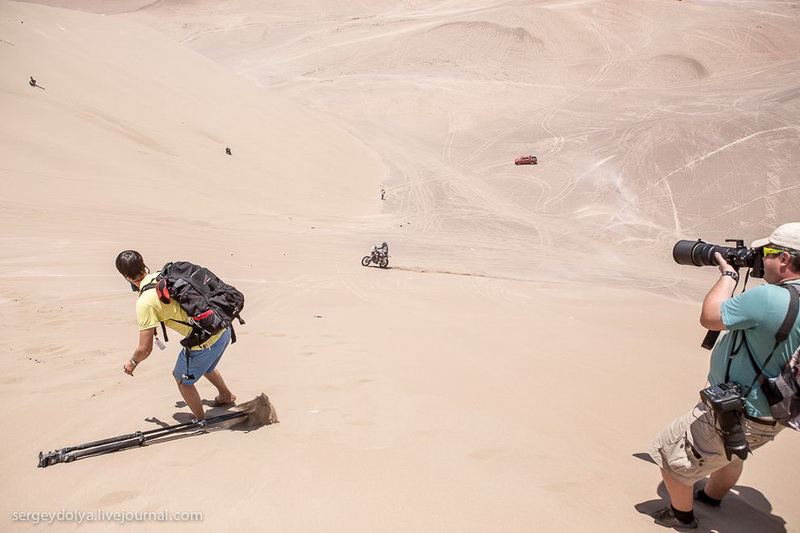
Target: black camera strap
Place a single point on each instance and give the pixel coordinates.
(781, 335)
(734, 352)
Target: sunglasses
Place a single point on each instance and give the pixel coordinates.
(134, 288)
(771, 251)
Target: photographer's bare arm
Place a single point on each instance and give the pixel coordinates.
(142, 351)
(711, 314)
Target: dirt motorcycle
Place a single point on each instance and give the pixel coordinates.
(378, 257)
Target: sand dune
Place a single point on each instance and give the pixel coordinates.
(635, 109)
(470, 386)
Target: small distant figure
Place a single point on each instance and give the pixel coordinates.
(228, 150)
(383, 193)
(33, 83)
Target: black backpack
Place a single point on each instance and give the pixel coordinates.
(210, 303)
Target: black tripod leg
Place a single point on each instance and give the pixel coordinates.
(70, 453)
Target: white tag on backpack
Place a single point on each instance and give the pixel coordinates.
(160, 344)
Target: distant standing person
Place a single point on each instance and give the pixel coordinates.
(150, 312)
(32, 82)
(228, 151)
(383, 193)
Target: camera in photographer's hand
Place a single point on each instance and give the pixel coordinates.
(700, 253)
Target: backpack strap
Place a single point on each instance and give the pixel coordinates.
(152, 285)
(781, 335)
(791, 314)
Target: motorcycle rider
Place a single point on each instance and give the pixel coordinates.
(377, 253)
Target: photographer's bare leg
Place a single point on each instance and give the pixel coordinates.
(680, 495)
(723, 480)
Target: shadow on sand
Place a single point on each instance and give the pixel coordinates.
(744, 510)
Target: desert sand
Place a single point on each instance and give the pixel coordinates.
(532, 333)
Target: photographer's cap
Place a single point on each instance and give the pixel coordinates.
(787, 236)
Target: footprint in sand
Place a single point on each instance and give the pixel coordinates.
(113, 498)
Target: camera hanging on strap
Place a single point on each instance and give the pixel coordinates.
(726, 400)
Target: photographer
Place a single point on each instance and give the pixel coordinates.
(714, 442)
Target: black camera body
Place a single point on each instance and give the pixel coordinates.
(700, 253)
(723, 398)
(726, 401)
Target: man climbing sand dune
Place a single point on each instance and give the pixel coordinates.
(192, 363)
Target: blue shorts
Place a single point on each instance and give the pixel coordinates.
(200, 361)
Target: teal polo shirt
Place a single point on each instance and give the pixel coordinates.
(759, 313)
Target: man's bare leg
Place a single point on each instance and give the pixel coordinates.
(192, 399)
(225, 395)
(723, 480)
(680, 495)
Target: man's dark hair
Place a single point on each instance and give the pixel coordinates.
(130, 264)
(795, 263)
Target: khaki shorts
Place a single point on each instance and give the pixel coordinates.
(691, 447)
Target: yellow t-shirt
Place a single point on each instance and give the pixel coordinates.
(150, 312)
